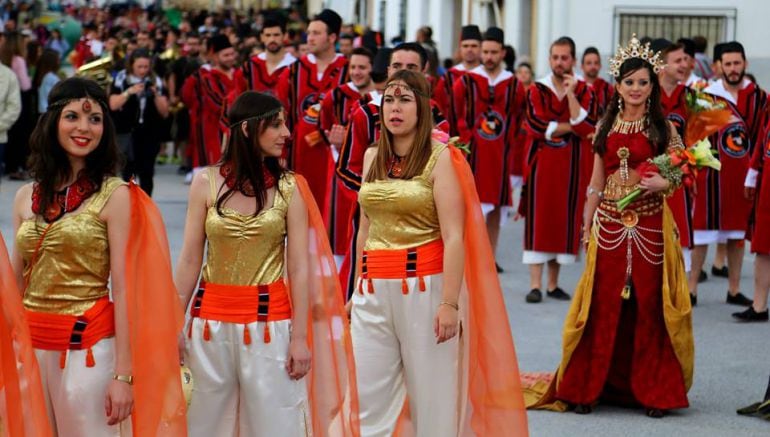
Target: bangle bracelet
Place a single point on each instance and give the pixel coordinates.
(453, 305)
(128, 379)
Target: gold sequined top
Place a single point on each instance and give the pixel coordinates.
(244, 249)
(73, 263)
(401, 212)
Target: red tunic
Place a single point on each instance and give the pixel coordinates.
(336, 108)
(551, 197)
(760, 226)
(603, 92)
(681, 202)
(444, 93)
(625, 354)
(488, 119)
(253, 75)
(720, 203)
(301, 91)
(205, 93)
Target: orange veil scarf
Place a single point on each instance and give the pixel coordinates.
(331, 381)
(491, 404)
(154, 320)
(22, 406)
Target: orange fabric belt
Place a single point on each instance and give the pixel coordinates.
(61, 332)
(241, 304)
(415, 262)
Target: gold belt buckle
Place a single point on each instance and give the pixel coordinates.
(629, 218)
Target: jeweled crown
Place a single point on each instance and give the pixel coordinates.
(635, 49)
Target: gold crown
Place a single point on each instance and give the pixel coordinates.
(635, 49)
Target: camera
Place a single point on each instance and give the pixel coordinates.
(148, 83)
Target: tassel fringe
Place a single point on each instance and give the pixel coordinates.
(246, 335)
(90, 362)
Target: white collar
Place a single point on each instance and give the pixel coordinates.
(718, 89)
(376, 97)
(481, 71)
(353, 87)
(287, 60)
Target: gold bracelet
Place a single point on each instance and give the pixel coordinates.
(128, 379)
(453, 305)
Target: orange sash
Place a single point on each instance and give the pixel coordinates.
(241, 304)
(420, 261)
(60, 332)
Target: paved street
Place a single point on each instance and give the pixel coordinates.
(732, 360)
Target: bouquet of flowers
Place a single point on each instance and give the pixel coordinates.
(705, 115)
(679, 167)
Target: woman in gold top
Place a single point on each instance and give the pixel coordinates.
(253, 338)
(73, 226)
(426, 268)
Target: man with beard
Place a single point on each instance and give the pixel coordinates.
(489, 101)
(336, 108)
(721, 210)
(204, 93)
(559, 119)
(591, 64)
(301, 88)
(364, 130)
(261, 72)
(470, 53)
(673, 100)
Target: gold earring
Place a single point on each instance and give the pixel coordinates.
(620, 104)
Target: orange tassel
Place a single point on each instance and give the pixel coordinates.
(206, 332)
(267, 333)
(90, 362)
(63, 359)
(246, 335)
(404, 287)
(370, 287)
(422, 283)
(361, 286)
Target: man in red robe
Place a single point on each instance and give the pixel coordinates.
(470, 53)
(336, 108)
(488, 102)
(591, 64)
(261, 72)
(364, 131)
(301, 88)
(560, 116)
(204, 93)
(721, 210)
(673, 100)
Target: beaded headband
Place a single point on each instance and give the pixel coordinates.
(263, 116)
(635, 49)
(399, 85)
(87, 106)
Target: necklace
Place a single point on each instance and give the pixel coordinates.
(228, 172)
(629, 127)
(67, 200)
(395, 166)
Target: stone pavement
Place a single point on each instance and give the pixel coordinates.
(732, 360)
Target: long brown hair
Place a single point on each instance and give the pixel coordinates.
(419, 153)
(12, 46)
(259, 111)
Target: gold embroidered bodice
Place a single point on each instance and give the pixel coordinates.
(401, 212)
(73, 263)
(244, 249)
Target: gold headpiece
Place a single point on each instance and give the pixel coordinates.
(635, 49)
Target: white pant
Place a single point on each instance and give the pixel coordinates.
(396, 355)
(244, 390)
(75, 395)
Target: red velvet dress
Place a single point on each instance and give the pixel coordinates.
(625, 355)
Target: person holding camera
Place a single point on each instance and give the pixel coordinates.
(138, 105)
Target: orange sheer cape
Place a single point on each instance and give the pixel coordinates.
(22, 406)
(154, 320)
(331, 381)
(492, 401)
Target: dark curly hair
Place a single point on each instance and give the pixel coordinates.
(48, 162)
(658, 133)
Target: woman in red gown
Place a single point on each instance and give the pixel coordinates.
(628, 335)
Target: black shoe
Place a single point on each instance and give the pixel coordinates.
(583, 409)
(739, 299)
(535, 296)
(693, 300)
(719, 272)
(751, 316)
(558, 294)
(499, 269)
(749, 410)
(703, 277)
(655, 413)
